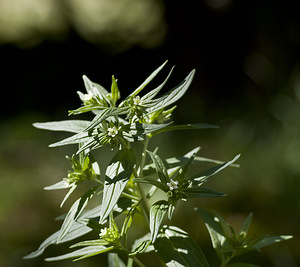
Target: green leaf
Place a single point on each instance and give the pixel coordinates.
(116, 177)
(58, 185)
(104, 114)
(76, 230)
(196, 126)
(194, 192)
(156, 183)
(82, 253)
(174, 94)
(75, 211)
(160, 167)
(115, 261)
(177, 248)
(155, 91)
(73, 126)
(266, 241)
(157, 213)
(89, 85)
(74, 139)
(214, 228)
(142, 245)
(115, 93)
(134, 131)
(246, 224)
(205, 175)
(149, 79)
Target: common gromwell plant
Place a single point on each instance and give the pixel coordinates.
(130, 181)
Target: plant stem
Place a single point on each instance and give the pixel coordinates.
(138, 262)
(139, 174)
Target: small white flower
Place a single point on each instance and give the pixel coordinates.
(87, 97)
(112, 131)
(137, 100)
(172, 184)
(103, 232)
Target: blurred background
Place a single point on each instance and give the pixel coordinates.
(246, 56)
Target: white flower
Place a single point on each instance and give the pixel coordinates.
(112, 131)
(103, 232)
(137, 100)
(172, 184)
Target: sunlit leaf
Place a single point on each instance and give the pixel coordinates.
(149, 79)
(73, 126)
(115, 261)
(174, 94)
(75, 212)
(157, 213)
(160, 167)
(82, 253)
(117, 175)
(266, 241)
(177, 248)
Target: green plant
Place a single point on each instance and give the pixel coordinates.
(133, 178)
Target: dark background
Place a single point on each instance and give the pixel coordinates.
(246, 56)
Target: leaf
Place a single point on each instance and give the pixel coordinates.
(246, 224)
(104, 114)
(82, 253)
(160, 167)
(59, 185)
(115, 93)
(75, 231)
(197, 126)
(140, 248)
(142, 245)
(116, 177)
(89, 86)
(202, 192)
(157, 213)
(266, 241)
(74, 139)
(214, 228)
(115, 261)
(73, 126)
(155, 91)
(205, 175)
(177, 248)
(174, 94)
(149, 79)
(156, 183)
(132, 132)
(75, 211)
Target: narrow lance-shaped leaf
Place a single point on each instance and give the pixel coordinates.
(116, 177)
(214, 228)
(89, 85)
(195, 192)
(75, 211)
(149, 79)
(155, 91)
(104, 114)
(73, 126)
(115, 261)
(174, 94)
(157, 213)
(246, 224)
(177, 248)
(266, 241)
(196, 126)
(115, 93)
(160, 167)
(82, 253)
(205, 175)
